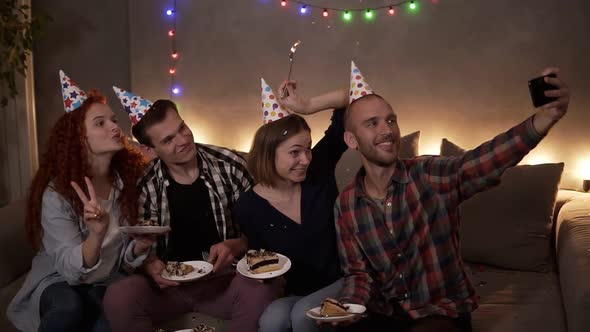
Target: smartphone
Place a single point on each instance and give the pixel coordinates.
(537, 88)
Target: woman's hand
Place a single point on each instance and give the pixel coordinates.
(95, 219)
(291, 100)
(142, 243)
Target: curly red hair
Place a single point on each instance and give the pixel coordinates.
(65, 160)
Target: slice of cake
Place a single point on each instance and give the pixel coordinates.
(260, 261)
(147, 223)
(332, 307)
(203, 328)
(177, 269)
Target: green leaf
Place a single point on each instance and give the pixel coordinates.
(17, 31)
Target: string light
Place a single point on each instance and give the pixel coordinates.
(347, 16)
(174, 88)
(347, 13)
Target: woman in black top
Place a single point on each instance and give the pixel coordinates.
(290, 209)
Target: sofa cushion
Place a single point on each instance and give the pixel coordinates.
(350, 162)
(510, 225)
(15, 254)
(516, 300)
(7, 293)
(450, 149)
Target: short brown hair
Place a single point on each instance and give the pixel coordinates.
(154, 115)
(261, 159)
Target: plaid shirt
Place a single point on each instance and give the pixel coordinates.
(224, 173)
(408, 250)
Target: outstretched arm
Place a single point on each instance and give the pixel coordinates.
(302, 105)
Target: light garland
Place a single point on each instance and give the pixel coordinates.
(174, 56)
(347, 14)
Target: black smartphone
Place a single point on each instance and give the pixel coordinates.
(537, 88)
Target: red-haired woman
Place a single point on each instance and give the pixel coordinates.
(76, 233)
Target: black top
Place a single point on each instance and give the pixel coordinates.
(311, 245)
(191, 220)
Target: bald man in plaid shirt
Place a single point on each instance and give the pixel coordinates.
(398, 222)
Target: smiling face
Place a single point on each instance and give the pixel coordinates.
(172, 139)
(103, 134)
(373, 130)
(292, 157)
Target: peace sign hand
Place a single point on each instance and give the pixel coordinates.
(94, 218)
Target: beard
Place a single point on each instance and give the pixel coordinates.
(371, 152)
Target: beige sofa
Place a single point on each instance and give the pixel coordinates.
(547, 297)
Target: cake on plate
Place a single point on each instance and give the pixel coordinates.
(260, 261)
(332, 307)
(147, 223)
(178, 269)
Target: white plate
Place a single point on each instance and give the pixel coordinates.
(200, 327)
(352, 308)
(284, 263)
(158, 230)
(202, 269)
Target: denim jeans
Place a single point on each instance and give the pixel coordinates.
(67, 308)
(288, 313)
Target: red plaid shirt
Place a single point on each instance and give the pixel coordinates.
(408, 249)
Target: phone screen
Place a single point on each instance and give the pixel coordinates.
(537, 88)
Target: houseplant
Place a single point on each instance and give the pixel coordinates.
(17, 32)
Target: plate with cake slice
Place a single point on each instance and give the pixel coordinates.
(145, 227)
(263, 264)
(199, 328)
(186, 271)
(333, 310)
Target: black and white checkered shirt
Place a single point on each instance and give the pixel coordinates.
(224, 173)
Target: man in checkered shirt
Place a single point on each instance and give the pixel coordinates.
(398, 222)
(191, 188)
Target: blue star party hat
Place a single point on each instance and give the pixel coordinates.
(134, 105)
(73, 96)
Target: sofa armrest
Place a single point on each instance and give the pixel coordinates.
(573, 259)
(15, 253)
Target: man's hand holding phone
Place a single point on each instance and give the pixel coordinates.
(554, 101)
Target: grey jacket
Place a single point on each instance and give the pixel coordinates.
(60, 258)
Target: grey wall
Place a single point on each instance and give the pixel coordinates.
(88, 40)
(458, 69)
